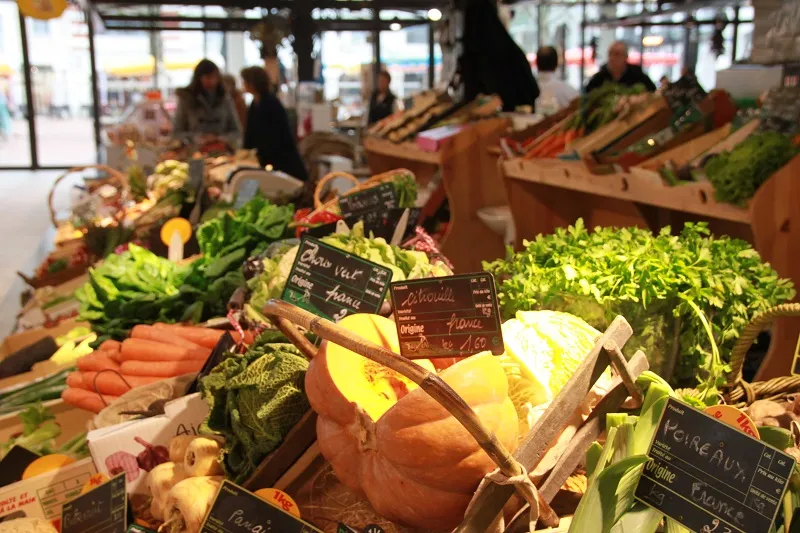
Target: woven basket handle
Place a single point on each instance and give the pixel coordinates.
(114, 174)
(324, 181)
(287, 317)
(751, 331)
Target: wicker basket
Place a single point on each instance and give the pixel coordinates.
(288, 319)
(321, 205)
(113, 176)
(739, 392)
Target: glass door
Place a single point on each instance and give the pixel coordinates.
(15, 146)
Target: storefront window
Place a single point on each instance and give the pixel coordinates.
(62, 89)
(347, 59)
(14, 137)
(405, 53)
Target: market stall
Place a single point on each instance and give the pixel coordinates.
(469, 182)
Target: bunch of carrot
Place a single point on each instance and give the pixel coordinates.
(554, 144)
(152, 353)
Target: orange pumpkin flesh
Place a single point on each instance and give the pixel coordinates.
(387, 439)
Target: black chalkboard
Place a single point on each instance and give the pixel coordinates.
(236, 510)
(447, 317)
(101, 510)
(379, 223)
(333, 284)
(14, 464)
(710, 476)
(381, 196)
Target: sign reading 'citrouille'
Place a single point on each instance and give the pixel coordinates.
(712, 477)
(447, 317)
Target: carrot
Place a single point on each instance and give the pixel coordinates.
(114, 356)
(206, 337)
(111, 383)
(570, 136)
(96, 361)
(165, 369)
(75, 380)
(88, 401)
(110, 346)
(163, 336)
(146, 350)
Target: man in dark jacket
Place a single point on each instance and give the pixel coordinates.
(383, 101)
(620, 71)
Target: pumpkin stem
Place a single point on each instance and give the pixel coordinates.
(365, 430)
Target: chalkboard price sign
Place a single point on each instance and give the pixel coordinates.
(380, 223)
(380, 197)
(101, 510)
(447, 317)
(711, 477)
(236, 510)
(332, 283)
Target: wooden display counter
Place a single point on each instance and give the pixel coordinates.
(548, 194)
(470, 181)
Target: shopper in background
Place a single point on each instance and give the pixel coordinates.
(554, 92)
(383, 102)
(268, 129)
(620, 71)
(229, 81)
(205, 112)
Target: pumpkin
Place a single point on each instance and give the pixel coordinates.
(392, 442)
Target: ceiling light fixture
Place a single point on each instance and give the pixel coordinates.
(652, 40)
(395, 26)
(434, 14)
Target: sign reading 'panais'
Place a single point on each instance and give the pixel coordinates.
(711, 477)
(447, 317)
(236, 510)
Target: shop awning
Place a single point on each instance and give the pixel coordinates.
(145, 67)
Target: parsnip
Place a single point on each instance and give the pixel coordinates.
(177, 447)
(159, 481)
(187, 504)
(202, 458)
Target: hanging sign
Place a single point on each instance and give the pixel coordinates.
(710, 476)
(42, 9)
(447, 317)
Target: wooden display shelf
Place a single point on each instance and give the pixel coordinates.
(548, 194)
(639, 187)
(470, 181)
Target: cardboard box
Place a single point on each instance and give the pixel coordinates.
(116, 448)
(71, 419)
(431, 140)
(44, 495)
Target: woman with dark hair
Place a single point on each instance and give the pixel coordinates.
(268, 129)
(205, 111)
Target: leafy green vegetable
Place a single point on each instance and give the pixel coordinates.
(736, 175)
(404, 264)
(543, 350)
(39, 434)
(651, 280)
(138, 287)
(254, 400)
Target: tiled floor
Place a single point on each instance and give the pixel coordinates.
(24, 219)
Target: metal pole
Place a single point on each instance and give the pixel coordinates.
(376, 43)
(26, 64)
(583, 42)
(538, 26)
(431, 55)
(95, 88)
(735, 33)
